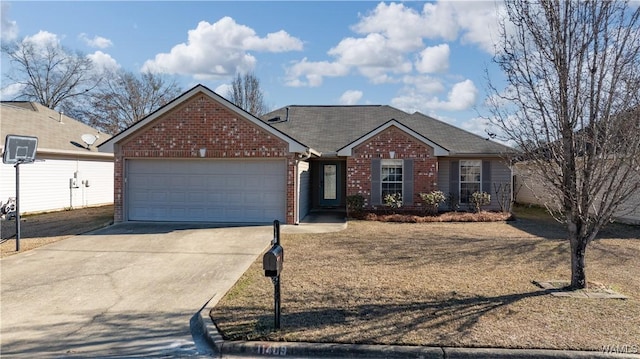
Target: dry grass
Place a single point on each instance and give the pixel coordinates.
(441, 284)
(37, 230)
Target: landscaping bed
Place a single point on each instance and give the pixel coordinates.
(441, 284)
(420, 217)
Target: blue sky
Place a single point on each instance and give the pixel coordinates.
(416, 56)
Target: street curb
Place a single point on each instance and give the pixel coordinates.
(223, 348)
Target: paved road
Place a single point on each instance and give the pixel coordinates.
(127, 290)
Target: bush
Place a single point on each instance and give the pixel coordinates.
(452, 202)
(479, 199)
(355, 203)
(432, 201)
(393, 201)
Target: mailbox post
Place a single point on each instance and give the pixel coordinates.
(272, 265)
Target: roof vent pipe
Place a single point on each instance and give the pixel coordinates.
(286, 119)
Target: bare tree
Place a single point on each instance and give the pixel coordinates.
(124, 98)
(48, 73)
(247, 94)
(571, 102)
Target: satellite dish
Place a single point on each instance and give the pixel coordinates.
(89, 139)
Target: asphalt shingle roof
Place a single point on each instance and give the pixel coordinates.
(329, 128)
(55, 131)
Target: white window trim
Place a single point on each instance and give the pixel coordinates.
(460, 182)
(391, 162)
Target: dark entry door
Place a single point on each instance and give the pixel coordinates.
(329, 184)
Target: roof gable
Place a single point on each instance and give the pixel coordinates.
(347, 150)
(108, 146)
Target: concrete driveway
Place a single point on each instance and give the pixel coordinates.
(129, 290)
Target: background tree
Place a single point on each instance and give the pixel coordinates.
(572, 70)
(123, 98)
(247, 94)
(48, 73)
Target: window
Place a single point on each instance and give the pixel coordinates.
(391, 177)
(470, 179)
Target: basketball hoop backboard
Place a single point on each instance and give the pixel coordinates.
(19, 149)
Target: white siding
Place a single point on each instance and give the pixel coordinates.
(531, 189)
(304, 178)
(44, 185)
(630, 210)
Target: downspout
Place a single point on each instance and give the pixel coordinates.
(301, 157)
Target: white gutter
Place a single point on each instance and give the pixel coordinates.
(50, 151)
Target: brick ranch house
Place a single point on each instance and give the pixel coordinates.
(201, 158)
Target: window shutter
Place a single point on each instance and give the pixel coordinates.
(486, 176)
(454, 179)
(407, 179)
(376, 190)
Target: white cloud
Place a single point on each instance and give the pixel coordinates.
(392, 35)
(474, 21)
(410, 101)
(103, 61)
(350, 97)
(223, 90)
(43, 39)
(461, 97)
(11, 92)
(313, 72)
(9, 27)
(220, 50)
(478, 125)
(484, 128)
(439, 21)
(97, 41)
(402, 26)
(372, 50)
(479, 22)
(433, 59)
(424, 84)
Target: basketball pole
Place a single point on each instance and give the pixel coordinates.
(17, 166)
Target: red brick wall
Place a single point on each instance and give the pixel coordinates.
(201, 122)
(425, 169)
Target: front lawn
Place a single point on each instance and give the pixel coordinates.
(441, 284)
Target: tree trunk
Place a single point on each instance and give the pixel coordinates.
(578, 270)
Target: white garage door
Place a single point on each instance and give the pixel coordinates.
(248, 191)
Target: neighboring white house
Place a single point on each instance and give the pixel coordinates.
(531, 189)
(68, 173)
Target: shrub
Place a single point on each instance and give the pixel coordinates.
(355, 203)
(452, 202)
(393, 201)
(479, 199)
(433, 200)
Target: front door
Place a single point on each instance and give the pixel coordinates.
(329, 185)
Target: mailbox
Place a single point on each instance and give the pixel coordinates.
(272, 261)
